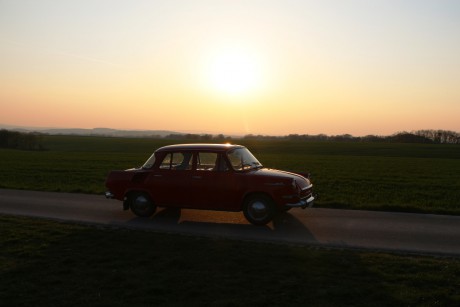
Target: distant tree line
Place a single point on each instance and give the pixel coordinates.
(440, 136)
(20, 140)
(33, 140)
(419, 136)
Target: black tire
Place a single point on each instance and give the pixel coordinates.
(141, 204)
(259, 209)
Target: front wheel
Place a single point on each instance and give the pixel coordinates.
(141, 205)
(259, 209)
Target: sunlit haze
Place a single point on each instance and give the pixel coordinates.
(232, 67)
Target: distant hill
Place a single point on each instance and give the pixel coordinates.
(91, 132)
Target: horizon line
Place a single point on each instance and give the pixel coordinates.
(200, 132)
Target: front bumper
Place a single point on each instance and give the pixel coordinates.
(109, 194)
(303, 203)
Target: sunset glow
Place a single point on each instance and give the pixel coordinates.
(237, 67)
(234, 72)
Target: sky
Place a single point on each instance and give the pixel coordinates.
(233, 67)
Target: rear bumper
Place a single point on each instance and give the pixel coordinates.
(303, 203)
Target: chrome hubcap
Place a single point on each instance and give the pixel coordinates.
(258, 210)
(141, 203)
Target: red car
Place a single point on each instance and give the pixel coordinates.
(212, 177)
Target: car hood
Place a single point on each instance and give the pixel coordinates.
(277, 174)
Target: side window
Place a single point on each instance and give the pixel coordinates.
(166, 163)
(206, 161)
(236, 160)
(210, 161)
(177, 161)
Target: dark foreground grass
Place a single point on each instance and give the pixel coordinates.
(45, 263)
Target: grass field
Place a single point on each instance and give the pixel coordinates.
(45, 263)
(374, 176)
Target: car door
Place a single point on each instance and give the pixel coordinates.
(213, 184)
(170, 183)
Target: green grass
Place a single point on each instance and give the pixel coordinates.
(45, 263)
(374, 176)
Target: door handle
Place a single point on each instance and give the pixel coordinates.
(197, 177)
(157, 175)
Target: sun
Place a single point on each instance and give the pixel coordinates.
(234, 72)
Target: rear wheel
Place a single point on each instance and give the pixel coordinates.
(141, 204)
(259, 209)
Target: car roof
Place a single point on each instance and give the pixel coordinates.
(212, 147)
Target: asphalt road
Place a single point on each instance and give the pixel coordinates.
(382, 231)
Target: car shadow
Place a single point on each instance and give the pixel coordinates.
(172, 214)
(286, 228)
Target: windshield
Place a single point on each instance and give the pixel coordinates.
(242, 159)
(149, 163)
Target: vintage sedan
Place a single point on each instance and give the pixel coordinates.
(212, 177)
